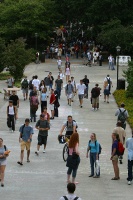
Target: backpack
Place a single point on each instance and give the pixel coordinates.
(72, 123)
(71, 87)
(100, 148)
(120, 149)
(121, 116)
(67, 198)
(24, 84)
(30, 85)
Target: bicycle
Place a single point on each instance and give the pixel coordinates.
(65, 149)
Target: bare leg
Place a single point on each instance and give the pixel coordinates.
(2, 172)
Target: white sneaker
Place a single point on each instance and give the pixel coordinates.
(12, 131)
(92, 109)
(44, 151)
(129, 182)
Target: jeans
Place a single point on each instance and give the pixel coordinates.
(93, 163)
(130, 166)
(110, 65)
(73, 171)
(59, 92)
(11, 122)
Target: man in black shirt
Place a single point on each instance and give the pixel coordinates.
(15, 100)
(86, 82)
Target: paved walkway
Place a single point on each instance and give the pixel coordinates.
(44, 178)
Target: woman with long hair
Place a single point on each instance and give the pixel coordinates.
(42, 86)
(93, 147)
(73, 157)
(106, 91)
(114, 155)
(3, 162)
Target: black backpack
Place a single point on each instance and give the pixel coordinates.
(100, 148)
(67, 198)
(24, 84)
(72, 123)
(121, 116)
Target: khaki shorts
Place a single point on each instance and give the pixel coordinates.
(25, 145)
(115, 158)
(51, 106)
(95, 100)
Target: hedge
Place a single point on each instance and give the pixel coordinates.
(120, 97)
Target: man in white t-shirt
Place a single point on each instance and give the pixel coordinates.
(59, 63)
(36, 82)
(110, 59)
(81, 90)
(70, 196)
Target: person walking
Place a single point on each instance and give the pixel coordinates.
(11, 115)
(122, 114)
(59, 63)
(43, 126)
(86, 82)
(36, 83)
(67, 72)
(69, 90)
(51, 102)
(110, 61)
(15, 100)
(34, 102)
(25, 87)
(51, 78)
(58, 86)
(56, 104)
(71, 187)
(95, 92)
(46, 114)
(106, 91)
(25, 139)
(122, 134)
(114, 155)
(74, 87)
(43, 99)
(3, 161)
(93, 147)
(129, 146)
(73, 159)
(81, 90)
(109, 80)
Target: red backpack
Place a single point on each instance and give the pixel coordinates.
(121, 149)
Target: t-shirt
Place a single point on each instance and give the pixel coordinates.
(69, 88)
(58, 83)
(95, 92)
(70, 197)
(2, 150)
(10, 82)
(14, 98)
(43, 124)
(129, 146)
(26, 132)
(70, 126)
(81, 88)
(94, 146)
(86, 81)
(59, 62)
(47, 81)
(115, 146)
(36, 83)
(43, 97)
(52, 99)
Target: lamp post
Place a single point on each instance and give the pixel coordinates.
(36, 35)
(118, 48)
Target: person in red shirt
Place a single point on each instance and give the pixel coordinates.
(52, 100)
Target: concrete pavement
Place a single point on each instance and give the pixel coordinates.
(44, 178)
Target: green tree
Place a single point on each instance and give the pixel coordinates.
(16, 57)
(2, 49)
(128, 74)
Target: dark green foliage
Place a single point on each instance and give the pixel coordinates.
(128, 74)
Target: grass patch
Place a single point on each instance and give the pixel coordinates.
(120, 97)
(17, 84)
(4, 75)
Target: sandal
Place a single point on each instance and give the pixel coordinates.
(115, 178)
(20, 163)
